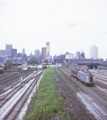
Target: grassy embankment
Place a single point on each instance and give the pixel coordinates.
(47, 102)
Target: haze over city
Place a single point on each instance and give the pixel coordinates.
(68, 25)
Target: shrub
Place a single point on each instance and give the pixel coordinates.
(1, 71)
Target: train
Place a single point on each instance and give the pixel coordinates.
(84, 76)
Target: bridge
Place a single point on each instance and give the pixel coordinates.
(91, 65)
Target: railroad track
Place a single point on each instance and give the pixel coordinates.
(101, 79)
(13, 105)
(101, 84)
(16, 86)
(9, 81)
(100, 113)
(100, 75)
(8, 95)
(76, 105)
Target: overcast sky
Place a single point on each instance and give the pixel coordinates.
(69, 25)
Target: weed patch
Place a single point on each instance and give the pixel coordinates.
(47, 103)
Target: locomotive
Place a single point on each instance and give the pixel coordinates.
(83, 76)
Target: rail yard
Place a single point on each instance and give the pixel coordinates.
(14, 93)
(87, 102)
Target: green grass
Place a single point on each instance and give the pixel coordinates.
(47, 103)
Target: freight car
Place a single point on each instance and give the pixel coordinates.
(83, 76)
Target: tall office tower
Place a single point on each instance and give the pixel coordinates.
(47, 50)
(94, 52)
(77, 55)
(23, 51)
(44, 53)
(2, 53)
(37, 53)
(8, 50)
(13, 52)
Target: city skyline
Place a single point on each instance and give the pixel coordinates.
(9, 48)
(69, 26)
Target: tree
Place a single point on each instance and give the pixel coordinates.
(40, 61)
(32, 62)
(45, 61)
(8, 65)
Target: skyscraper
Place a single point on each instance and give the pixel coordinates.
(44, 53)
(94, 52)
(37, 53)
(8, 50)
(13, 52)
(23, 51)
(47, 50)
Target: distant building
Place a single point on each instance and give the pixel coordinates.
(47, 50)
(2, 53)
(82, 56)
(13, 52)
(40, 53)
(37, 53)
(24, 57)
(23, 51)
(6, 59)
(44, 53)
(69, 56)
(77, 55)
(8, 50)
(19, 55)
(94, 52)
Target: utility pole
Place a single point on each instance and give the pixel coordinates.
(67, 63)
